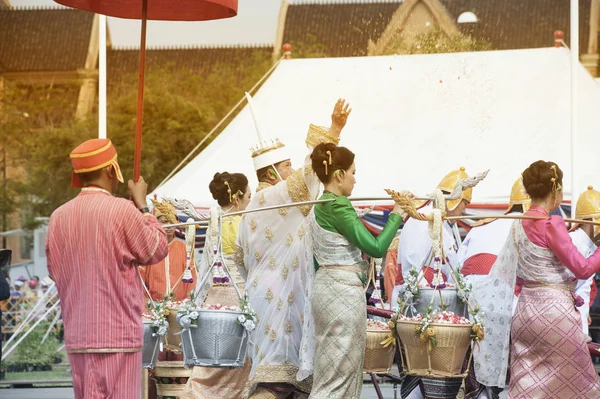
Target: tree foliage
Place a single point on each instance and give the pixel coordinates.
(180, 107)
(434, 42)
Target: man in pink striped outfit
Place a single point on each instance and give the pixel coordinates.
(94, 245)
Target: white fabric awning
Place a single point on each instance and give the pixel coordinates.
(417, 117)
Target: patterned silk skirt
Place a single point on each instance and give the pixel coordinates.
(549, 354)
(340, 313)
(212, 383)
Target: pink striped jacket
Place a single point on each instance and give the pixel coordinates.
(94, 245)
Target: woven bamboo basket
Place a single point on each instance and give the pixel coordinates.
(446, 357)
(450, 298)
(173, 341)
(219, 340)
(151, 347)
(171, 378)
(441, 387)
(378, 359)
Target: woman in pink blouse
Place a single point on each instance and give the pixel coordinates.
(549, 357)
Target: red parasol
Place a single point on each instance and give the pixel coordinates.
(164, 10)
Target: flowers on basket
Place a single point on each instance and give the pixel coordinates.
(248, 316)
(411, 289)
(382, 326)
(464, 289)
(188, 314)
(477, 331)
(426, 331)
(377, 325)
(218, 306)
(157, 315)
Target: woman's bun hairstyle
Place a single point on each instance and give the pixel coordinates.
(223, 182)
(542, 178)
(327, 158)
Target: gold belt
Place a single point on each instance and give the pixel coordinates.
(351, 269)
(563, 287)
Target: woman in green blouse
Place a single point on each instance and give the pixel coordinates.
(338, 297)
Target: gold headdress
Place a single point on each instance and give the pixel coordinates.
(265, 153)
(588, 207)
(165, 209)
(449, 182)
(518, 196)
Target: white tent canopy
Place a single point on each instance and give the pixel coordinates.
(417, 117)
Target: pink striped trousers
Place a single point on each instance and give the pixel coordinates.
(107, 375)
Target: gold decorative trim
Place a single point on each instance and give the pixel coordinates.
(301, 232)
(308, 170)
(295, 264)
(90, 153)
(273, 335)
(253, 225)
(263, 150)
(289, 327)
(279, 304)
(105, 350)
(269, 295)
(262, 185)
(289, 240)
(299, 191)
(285, 272)
(278, 373)
(268, 233)
(318, 135)
(257, 255)
(272, 262)
(238, 256)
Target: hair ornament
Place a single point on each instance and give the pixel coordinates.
(329, 153)
(555, 185)
(229, 190)
(326, 171)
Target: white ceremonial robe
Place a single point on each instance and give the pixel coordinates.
(488, 238)
(584, 287)
(274, 254)
(414, 249)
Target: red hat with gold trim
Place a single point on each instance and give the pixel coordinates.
(93, 155)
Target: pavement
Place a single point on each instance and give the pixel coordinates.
(67, 393)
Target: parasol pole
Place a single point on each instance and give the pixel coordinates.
(137, 154)
(102, 77)
(574, 100)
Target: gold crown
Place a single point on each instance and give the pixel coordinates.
(263, 148)
(518, 195)
(588, 204)
(165, 209)
(449, 182)
(588, 207)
